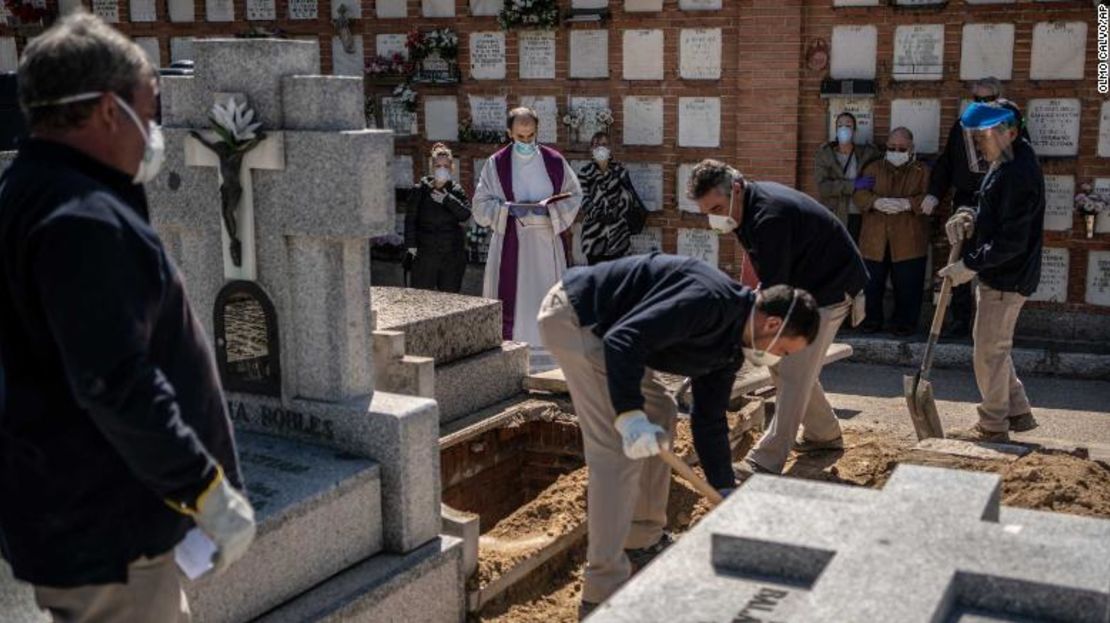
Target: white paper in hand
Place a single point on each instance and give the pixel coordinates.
(194, 554)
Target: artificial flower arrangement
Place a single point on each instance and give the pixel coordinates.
(434, 55)
(395, 65)
(1090, 204)
(529, 14)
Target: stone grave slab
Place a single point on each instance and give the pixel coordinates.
(987, 50)
(9, 58)
(346, 63)
(647, 179)
(1104, 130)
(922, 117)
(487, 55)
(588, 106)
(469, 385)
(702, 244)
(446, 327)
(143, 11)
(437, 8)
(643, 120)
(537, 54)
(1053, 287)
(391, 9)
(699, 5)
(1054, 126)
(700, 54)
(699, 121)
(648, 241)
(441, 118)
(643, 6)
(486, 7)
(933, 545)
(682, 176)
(919, 52)
(1059, 51)
(488, 112)
(854, 52)
(182, 10)
(863, 108)
(296, 489)
(107, 10)
(589, 54)
(547, 109)
(149, 45)
(643, 54)
(1059, 192)
(303, 9)
(1098, 278)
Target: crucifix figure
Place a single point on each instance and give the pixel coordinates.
(231, 188)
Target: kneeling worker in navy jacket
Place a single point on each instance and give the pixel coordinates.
(613, 325)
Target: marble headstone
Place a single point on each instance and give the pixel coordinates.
(537, 54)
(647, 179)
(181, 10)
(303, 9)
(488, 112)
(700, 54)
(389, 44)
(643, 120)
(643, 54)
(1098, 278)
(1053, 286)
(148, 44)
(1059, 195)
(699, 5)
(547, 109)
(438, 8)
(1059, 51)
(589, 106)
(1054, 126)
(699, 121)
(441, 118)
(487, 55)
(391, 9)
(919, 52)
(987, 50)
(863, 108)
(143, 11)
(347, 63)
(682, 176)
(650, 240)
(108, 10)
(486, 7)
(643, 6)
(1104, 130)
(922, 117)
(9, 58)
(854, 51)
(589, 54)
(702, 244)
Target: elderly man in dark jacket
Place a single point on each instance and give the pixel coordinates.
(1004, 238)
(114, 438)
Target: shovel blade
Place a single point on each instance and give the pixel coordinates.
(922, 406)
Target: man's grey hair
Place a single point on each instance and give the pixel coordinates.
(79, 54)
(709, 174)
(992, 84)
(904, 131)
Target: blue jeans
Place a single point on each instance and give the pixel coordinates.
(908, 277)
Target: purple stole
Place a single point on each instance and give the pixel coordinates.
(510, 246)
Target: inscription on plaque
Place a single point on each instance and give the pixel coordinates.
(487, 55)
(643, 54)
(247, 348)
(854, 50)
(488, 112)
(589, 54)
(1059, 51)
(702, 244)
(647, 179)
(919, 52)
(1053, 287)
(281, 420)
(143, 11)
(650, 240)
(441, 118)
(1054, 126)
(261, 10)
(107, 10)
(922, 117)
(547, 110)
(1059, 195)
(398, 118)
(303, 9)
(643, 120)
(699, 121)
(987, 50)
(682, 176)
(863, 108)
(537, 54)
(700, 54)
(391, 9)
(1098, 278)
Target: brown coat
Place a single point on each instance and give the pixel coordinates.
(833, 187)
(906, 233)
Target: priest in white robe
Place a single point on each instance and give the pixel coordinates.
(526, 253)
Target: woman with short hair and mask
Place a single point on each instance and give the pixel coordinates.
(894, 239)
(838, 164)
(435, 226)
(613, 211)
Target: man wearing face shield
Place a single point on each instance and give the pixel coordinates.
(114, 432)
(791, 239)
(1003, 239)
(611, 327)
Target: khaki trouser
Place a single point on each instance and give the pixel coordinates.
(152, 593)
(800, 399)
(626, 499)
(1002, 391)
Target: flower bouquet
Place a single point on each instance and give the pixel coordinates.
(1090, 204)
(529, 14)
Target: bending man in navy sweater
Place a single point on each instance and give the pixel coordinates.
(613, 325)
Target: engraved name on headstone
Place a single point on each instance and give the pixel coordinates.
(919, 52)
(181, 10)
(700, 54)
(537, 54)
(346, 63)
(108, 10)
(303, 9)
(1059, 51)
(987, 50)
(391, 9)
(699, 5)
(854, 51)
(589, 54)
(486, 7)
(441, 118)
(487, 55)
(261, 10)
(682, 176)
(1054, 126)
(389, 44)
(862, 108)
(922, 117)
(642, 6)
(1053, 287)
(1059, 195)
(547, 109)
(650, 240)
(643, 120)
(643, 54)
(438, 8)
(1098, 278)
(143, 11)
(702, 244)
(699, 121)
(647, 179)
(488, 112)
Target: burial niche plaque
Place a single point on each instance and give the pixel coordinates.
(248, 352)
(919, 52)
(1054, 126)
(1053, 287)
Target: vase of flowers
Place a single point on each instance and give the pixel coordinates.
(529, 14)
(434, 54)
(1090, 203)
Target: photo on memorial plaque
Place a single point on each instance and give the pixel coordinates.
(248, 352)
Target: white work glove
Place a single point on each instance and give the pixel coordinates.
(961, 226)
(958, 273)
(929, 205)
(638, 434)
(891, 205)
(412, 251)
(227, 518)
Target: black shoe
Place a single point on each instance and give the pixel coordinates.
(1022, 423)
(642, 556)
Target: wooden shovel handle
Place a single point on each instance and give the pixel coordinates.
(690, 476)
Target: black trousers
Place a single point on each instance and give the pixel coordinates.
(439, 269)
(908, 277)
(855, 224)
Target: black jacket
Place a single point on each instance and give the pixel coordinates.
(113, 405)
(1009, 225)
(951, 170)
(436, 226)
(671, 314)
(794, 240)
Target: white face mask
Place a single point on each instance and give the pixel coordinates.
(764, 357)
(601, 153)
(724, 223)
(844, 135)
(442, 175)
(898, 158)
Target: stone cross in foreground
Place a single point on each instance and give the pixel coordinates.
(933, 545)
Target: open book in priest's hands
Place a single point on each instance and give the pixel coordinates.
(519, 208)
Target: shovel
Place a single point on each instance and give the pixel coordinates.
(918, 389)
(688, 474)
